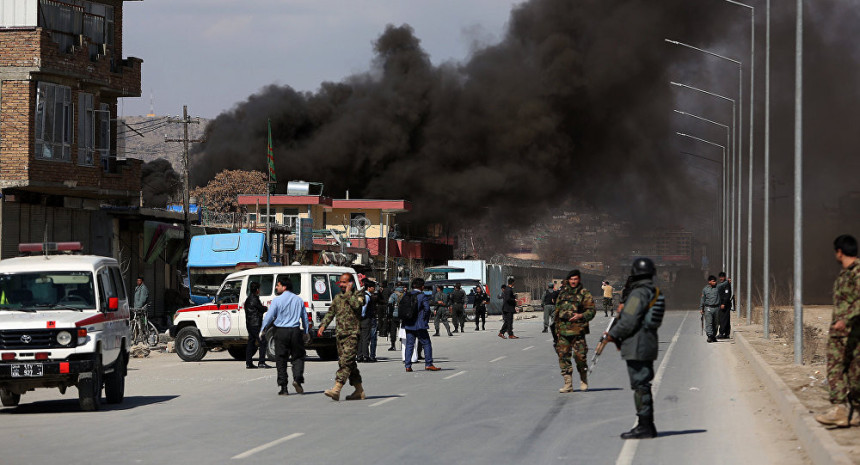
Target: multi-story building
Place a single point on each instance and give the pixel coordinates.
(61, 74)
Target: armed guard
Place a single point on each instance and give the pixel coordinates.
(635, 331)
(346, 308)
(458, 308)
(574, 308)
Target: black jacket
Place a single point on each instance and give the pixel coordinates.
(509, 300)
(254, 311)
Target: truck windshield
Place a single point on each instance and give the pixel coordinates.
(55, 289)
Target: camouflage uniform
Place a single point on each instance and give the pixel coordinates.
(843, 348)
(346, 308)
(571, 334)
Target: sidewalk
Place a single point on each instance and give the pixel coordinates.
(800, 392)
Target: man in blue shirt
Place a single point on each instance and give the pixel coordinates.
(287, 311)
(417, 329)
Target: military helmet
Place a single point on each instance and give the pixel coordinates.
(642, 266)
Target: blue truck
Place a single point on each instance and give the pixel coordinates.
(212, 257)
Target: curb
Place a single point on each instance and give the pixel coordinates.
(821, 448)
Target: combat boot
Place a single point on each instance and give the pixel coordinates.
(644, 429)
(334, 392)
(583, 382)
(836, 416)
(568, 384)
(358, 394)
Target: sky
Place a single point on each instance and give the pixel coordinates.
(212, 54)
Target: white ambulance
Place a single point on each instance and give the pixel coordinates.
(221, 323)
(64, 321)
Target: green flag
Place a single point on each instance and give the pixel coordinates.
(271, 156)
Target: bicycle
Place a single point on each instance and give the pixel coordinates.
(142, 330)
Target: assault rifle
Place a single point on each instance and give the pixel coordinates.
(601, 344)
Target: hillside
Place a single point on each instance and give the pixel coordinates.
(143, 138)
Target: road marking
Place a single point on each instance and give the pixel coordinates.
(267, 445)
(549, 340)
(529, 347)
(455, 374)
(386, 400)
(628, 451)
(498, 358)
(254, 379)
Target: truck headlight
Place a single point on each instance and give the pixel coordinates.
(64, 338)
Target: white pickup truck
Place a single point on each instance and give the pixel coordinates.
(64, 321)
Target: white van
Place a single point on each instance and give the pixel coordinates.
(64, 321)
(221, 323)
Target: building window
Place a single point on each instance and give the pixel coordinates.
(291, 217)
(358, 224)
(103, 119)
(53, 125)
(86, 130)
(70, 19)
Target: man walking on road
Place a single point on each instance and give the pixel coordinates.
(254, 310)
(724, 287)
(636, 332)
(417, 329)
(287, 312)
(440, 303)
(458, 305)
(548, 305)
(709, 306)
(393, 320)
(346, 308)
(509, 307)
(574, 308)
(843, 345)
(367, 321)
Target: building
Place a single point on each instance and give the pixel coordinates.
(61, 76)
(360, 227)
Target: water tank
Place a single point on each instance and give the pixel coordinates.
(298, 188)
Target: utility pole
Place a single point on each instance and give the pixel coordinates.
(185, 121)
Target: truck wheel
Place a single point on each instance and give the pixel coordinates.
(115, 382)
(329, 353)
(9, 399)
(237, 352)
(189, 345)
(470, 316)
(90, 388)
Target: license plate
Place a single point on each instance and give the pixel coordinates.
(27, 369)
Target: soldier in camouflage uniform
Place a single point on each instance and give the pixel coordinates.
(346, 308)
(574, 308)
(843, 346)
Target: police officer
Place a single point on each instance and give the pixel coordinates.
(367, 322)
(574, 308)
(440, 305)
(548, 305)
(636, 333)
(458, 305)
(481, 300)
(709, 306)
(346, 308)
(724, 287)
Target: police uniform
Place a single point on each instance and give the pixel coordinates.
(571, 334)
(441, 312)
(637, 336)
(458, 305)
(346, 308)
(725, 290)
(710, 305)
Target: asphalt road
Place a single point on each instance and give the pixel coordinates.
(495, 401)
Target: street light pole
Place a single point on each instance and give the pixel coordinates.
(750, 175)
(798, 188)
(766, 189)
(734, 265)
(729, 192)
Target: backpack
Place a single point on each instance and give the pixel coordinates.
(407, 308)
(656, 308)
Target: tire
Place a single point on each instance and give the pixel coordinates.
(329, 353)
(152, 336)
(237, 352)
(470, 316)
(9, 399)
(115, 382)
(270, 348)
(189, 344)
(90, 388)
(135, 333)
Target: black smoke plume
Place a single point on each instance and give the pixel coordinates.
(160, 183)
